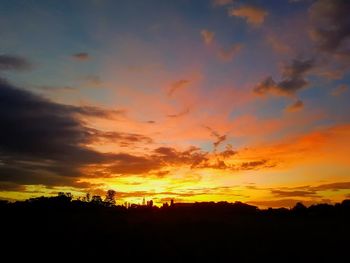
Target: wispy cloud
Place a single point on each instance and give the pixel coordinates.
(14, 62)
(296, 106)
(178, 85)
(230, 53)
(82, 56)
(180, 114)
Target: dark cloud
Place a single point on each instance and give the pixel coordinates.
(8, 186)
(82, 56)
(125, 164)
(330, 24)
(11, 62)
(330, 31)
(293, 79)
(170, 156)
(43, 142)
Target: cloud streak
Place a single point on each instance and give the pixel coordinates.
(12, 62)
(296, 106)
(82, 56)
(180, 84)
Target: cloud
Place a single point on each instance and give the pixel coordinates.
(228, 54)
(11, 62)
(296, 193)
(254, 16)
(8, 186)
(154, 162)
(208, 36)
(170, 156)
(293, 79)
(332, 186)
(180, 114)
(123, 139)
(57, 88)
(341, 89)
(222, 2)
(178, 85)
(219, 138)
(296, 106)
(253, 165)
(307, 191)
(289, 203)
(330, 24)
(128, 164)
(43, 142)
(228, 152)
(82, 56)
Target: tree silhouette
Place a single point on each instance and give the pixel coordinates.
(96, 199)
(110, 197)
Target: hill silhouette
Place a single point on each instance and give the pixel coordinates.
(62, 228)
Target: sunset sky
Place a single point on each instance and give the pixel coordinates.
(191, 100)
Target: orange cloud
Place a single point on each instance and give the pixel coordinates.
(252, 14)
(207, 36)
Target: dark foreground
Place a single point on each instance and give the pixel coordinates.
(58, 228)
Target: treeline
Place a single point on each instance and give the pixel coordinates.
(95, 228)
(210, 209)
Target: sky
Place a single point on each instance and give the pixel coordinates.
(211, 100)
